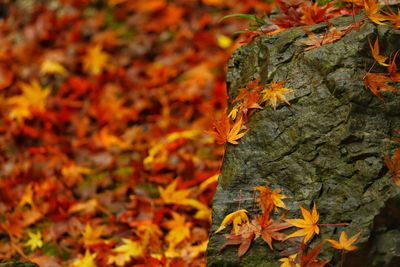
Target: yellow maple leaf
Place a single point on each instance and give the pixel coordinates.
(125, 252)
(149, 233)
(289, 261)
(85, 261)
(92, 235)
(158, 152)
(203, 211)
(170, 195)
(309, 224)
(95, 60)
(238, 218)
(345, 243)
(35, 240)
(209, 181)
(33, 98)
(375, 53)
(275, 92)
(179, 230)
(372, 9)
(52, 67)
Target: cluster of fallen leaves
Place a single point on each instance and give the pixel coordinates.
(382, 82)
(270, 226)
(104, 159)
(231, 127)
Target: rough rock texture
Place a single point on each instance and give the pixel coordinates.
(327, 146)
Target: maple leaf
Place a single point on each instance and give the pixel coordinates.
(269, 199)
(394, 165)
(235, 110)
(34, 241)
(95, 60)
(73, 173)
(85, 261)
(170, 195)
(246, 99)
(105, 139)
(313, 14)
(179, 230)
(270, 229)
(345, 243)
(275, 92)
(244, 237)
(92, 235)
(209, 181)
(238, 218)
(203, 211)
(309, 224)
(124, 253)
(289, 261)
(149, 233)
(375, 53)
(394, 75)
(377, 83)
(224, 132)
(372, 9)
(33, 98)
(314, 41)
(310, 259)
(52, 67)
(393, 17)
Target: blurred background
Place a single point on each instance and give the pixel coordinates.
(103, 156)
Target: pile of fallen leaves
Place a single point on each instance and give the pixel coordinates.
(271, 222)
(104, 106)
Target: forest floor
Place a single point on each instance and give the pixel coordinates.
(104, 106)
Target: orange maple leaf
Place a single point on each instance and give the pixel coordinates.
(372, 9)
(377, 83)
(394, 166)
(224, 132)
(245, 236)
(314, 41)
(309, 224)
(393, 17)
(269, 199)
(247, 99)
(375, 53)
(270, 229)
(392, 68)
(345, 243)
(310, 259)
(275, 92)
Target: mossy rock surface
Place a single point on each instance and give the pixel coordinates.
(326, 147)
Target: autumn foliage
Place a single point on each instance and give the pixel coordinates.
(112, 117)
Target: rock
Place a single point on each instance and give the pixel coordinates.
(327, 146)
